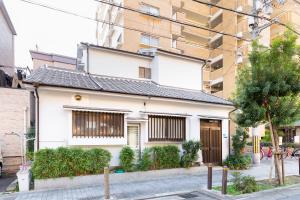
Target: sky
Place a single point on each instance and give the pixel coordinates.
(51, 31)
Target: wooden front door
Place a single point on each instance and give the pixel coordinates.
(211, 139)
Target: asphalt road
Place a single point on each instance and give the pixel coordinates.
(5, 180)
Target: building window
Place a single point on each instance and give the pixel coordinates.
(150, 9)
(144, 72)
(166, 128)
(217, 65)
(218, 20)
(174, 15)
(217, 87)
(97, 124)
(217, 43)
(149, 40)
(174, 42)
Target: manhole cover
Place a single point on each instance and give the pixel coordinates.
(188, 195)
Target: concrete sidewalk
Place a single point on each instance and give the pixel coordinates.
(157, 189)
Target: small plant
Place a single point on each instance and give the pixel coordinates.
(238, 162)
(145, 162)
(244, 184)
(190, 153)
(127, 158)
(239, 141)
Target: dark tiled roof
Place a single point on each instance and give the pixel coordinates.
(81, 80)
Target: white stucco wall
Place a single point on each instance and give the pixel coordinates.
(177, 71)
(56, 122)
(110, 63)
(6, 43)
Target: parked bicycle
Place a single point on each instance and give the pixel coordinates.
(290, 153)
(262, 153)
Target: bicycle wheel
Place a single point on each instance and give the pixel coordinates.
(296, 153)
(285, 154)
(261, 155)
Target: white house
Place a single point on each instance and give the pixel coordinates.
(122, 98)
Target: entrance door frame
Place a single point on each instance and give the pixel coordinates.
(139, 135)
(205, 124)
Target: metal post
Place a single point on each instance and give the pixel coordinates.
(209, 176)
(106, 183)
(224, 180)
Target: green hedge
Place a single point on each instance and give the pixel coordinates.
(68, 162)
(165, 157)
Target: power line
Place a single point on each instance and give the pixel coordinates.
(248, 14)
(121, 26)
(170, 19)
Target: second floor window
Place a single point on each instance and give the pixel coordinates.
(149, 40)
(144, 72)
(150, 9)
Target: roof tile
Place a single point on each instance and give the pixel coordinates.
(80, 80)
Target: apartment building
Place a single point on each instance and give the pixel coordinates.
(144, 33)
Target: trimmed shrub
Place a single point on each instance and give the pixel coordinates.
(238, 162)
(244, 184)
(145, 162)
(190, 153)
(68, 162)
(127, 158)
(166, 157)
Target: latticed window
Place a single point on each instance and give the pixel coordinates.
(166, 128)
(97, 124)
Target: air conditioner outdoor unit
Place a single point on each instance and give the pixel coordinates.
(148, 52)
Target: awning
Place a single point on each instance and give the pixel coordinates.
(211, 117)
(95, 109)
(166, 114)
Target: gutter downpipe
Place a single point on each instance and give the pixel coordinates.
(37, 118)
(229, 135)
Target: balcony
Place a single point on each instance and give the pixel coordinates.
(193, 50)
(196, 11)
(195, 34)
(216, 74)
(216, 52)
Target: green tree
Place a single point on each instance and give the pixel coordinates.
(268, 89)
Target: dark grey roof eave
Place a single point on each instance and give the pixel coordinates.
(144, 95)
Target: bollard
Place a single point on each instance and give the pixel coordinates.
(224, 180)
(106, 183)
(209, 176)
(299, 164)
(282, 167)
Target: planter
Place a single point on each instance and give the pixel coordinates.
(92, 180)
(23, 179)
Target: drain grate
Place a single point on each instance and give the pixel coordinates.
(187, 195)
